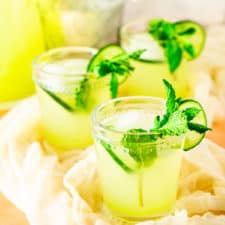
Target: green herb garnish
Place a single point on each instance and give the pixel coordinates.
(174, 122)
(180, 39)
(82, 94)
(116, 158)
(111, 61)
(179, 121)
(58, 100)
(118, 66)
(137, 142)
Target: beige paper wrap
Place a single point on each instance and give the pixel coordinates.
(65, 191)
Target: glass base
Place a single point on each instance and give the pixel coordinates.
(131, 220)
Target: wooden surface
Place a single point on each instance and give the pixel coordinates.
(218, 133)
(9, 214)
(2, 112)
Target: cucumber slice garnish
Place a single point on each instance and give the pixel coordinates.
(193, 138)
(119, 159)
(58, 100)
(191, 33)
(106, 52)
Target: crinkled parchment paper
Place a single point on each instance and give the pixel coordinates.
(65, 191)
(207, 75)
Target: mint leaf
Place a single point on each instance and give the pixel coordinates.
(162, 122)
(103, 69)
(82, 94)
(176, 124)
(137, 54)
(173, 38)
(139, 145)
(116, 66)
(188, 31)
(189, 49)
(114, 84)
(171, 97)
(173, 53)
(168, 30)
(191, 113)
(165, 34)
(161, 30)
(198, 127)
(157, 122)
(179, 101)
(138, 135)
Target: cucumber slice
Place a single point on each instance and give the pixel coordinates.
(193, 34)
(106, 52)
(193, 138)
(120, 158)
(58, 100)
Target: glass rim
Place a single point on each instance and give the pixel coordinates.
(36, 63)
(124, 32)
(132, 23)
(99, 125)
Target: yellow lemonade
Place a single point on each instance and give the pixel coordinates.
(146, 79)
(121, 190)
(130, 190)
(61, 128)
(66, 125)
(21, 40)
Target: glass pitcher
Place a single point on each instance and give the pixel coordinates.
(30, 27)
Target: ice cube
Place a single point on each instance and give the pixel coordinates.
(54, 69)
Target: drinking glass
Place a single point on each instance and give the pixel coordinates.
(152, 68)
(29, 28)
(61, 77)
(21, 40)
(139, 180)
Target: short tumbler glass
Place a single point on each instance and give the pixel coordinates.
(140, 181)
(152, 68)
(60, 76)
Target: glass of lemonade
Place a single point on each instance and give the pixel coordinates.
(60, 76)
(152, 68)
(140, 181)
(21, 40)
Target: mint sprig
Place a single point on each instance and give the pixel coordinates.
(116, 67)
(136, 142)
(175, 122)
(171, 40)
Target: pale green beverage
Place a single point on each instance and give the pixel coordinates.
(149, 72)
(135, 190)
(60, 76)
